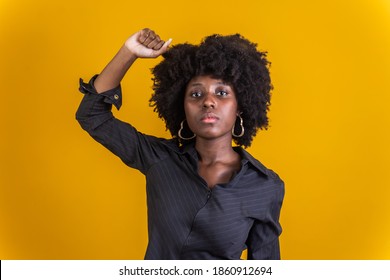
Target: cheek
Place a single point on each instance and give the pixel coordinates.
(190, 114)
(232, 121)
(187, 110)
(231, 113)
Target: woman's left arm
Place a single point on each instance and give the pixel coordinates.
(263, 239)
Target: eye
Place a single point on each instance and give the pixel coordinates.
(196, 94)
(222, 93)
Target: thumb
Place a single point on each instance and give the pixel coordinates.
(164, 47)
(166, 44)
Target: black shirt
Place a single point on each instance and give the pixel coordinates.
(187, 219)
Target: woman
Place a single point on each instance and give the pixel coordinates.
(206, 199)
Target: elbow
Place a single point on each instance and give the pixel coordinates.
(82, 118)
(83, 121)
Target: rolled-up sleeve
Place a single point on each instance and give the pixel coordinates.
(135, 149)
(95, 108)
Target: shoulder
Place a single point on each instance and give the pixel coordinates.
(159, 143)
(245, 155)
(269, 175)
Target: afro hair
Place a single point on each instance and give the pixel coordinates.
(231, 58)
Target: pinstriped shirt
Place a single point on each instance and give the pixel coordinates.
(187, 219)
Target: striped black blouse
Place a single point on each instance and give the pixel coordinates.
(186, 219)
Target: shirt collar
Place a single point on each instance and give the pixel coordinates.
(245, 156)
(249, 158)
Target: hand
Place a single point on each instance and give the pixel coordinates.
(146, 44)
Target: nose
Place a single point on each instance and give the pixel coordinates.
(209, 101)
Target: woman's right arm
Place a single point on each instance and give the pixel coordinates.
(94, 113)
(143, 44)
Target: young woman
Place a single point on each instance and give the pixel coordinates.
(206, 198)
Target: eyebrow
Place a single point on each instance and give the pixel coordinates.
(201, 84)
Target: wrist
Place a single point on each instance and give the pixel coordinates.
(126, 55)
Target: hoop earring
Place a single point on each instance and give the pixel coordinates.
(181, 130)
(242, 128)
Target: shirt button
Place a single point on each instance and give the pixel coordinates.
(116, 96)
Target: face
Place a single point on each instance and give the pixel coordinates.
(211, 107)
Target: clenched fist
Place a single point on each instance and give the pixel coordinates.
(146, 44)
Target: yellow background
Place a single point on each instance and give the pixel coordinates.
(63, 196)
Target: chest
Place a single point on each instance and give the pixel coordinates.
(198, 219)
(218, 173)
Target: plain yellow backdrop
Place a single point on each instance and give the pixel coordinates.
(63, 196)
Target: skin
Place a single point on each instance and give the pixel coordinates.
(210, 106)
(211, 109)
(143, 44)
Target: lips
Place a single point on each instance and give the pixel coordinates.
(209, 118)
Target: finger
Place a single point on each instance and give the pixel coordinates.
(164, 47)
(144, 34)
(150, 38)
(155, 42)
(159, 45)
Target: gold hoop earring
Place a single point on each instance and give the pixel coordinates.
(242, 128)
(180, 131)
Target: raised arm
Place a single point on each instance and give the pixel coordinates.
(143, 44)
(94, 113)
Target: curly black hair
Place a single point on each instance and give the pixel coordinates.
(231, 58)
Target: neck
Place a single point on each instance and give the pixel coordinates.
(212, 151)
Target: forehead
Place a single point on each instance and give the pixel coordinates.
(206, 80)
